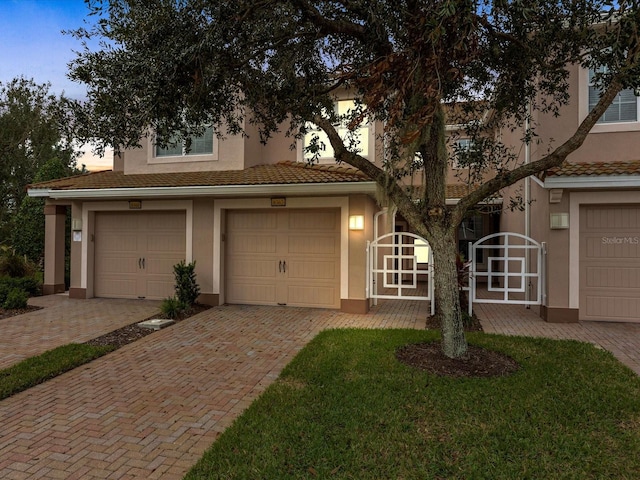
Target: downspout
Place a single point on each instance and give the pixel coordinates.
(527, 200)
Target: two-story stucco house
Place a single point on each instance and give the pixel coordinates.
(265, 228)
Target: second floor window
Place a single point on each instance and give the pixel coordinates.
(462, 150)
(360, 136)
(624, 107)
(195, 145)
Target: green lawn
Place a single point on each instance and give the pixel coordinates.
(41, 368)
(346, 408)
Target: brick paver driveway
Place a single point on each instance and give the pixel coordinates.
(63, 321)
(150, 409)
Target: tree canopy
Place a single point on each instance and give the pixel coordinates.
(32, 132)
(170, 65)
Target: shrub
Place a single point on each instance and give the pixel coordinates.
(16, 299)
(16, 266)
(172, 307)
(187, 289)
(4, 292)
(31, 285)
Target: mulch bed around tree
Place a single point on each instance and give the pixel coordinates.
(130, 333)
(18, 311)
(478, 362)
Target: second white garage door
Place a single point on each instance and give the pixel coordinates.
(135, 253)
(610, 263)
(283, 257)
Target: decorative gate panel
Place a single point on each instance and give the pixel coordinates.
(506, 268)
(400, 267)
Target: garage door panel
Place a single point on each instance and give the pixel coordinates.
(116, 286)
(114, 264)
(252, 244)
(252, 293)
(160, 288)
(292, 257)
(312, 296)
(613, 307)
(301, 220)
(163, 243)
(313, 270)
(607, 276)
(253, 268)
(117, 243)
(312, 245)
(240, 220)
(610, 263)
(135, 253)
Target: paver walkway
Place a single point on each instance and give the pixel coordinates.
(150, 409)
(65, 321)
(621, 339)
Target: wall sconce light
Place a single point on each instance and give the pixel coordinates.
(76, 224)
(559, 221)
(356, 222)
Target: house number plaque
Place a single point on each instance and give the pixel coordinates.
(279, 202)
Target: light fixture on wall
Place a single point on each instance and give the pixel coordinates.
(559, 221)
(356, 222)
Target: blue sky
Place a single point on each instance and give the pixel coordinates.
(32, 45)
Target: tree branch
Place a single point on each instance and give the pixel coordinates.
(554, 159)
(389, 184)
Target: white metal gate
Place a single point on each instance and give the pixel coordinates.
(509, 266)
(400, 266)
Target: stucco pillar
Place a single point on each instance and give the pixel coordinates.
(54, 224)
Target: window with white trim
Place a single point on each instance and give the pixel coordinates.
(359, 137)
(192, 146)
(624, 107)
(461, 148)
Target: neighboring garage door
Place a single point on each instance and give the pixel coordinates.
(135, 253)
(610, 263)
(283, 257)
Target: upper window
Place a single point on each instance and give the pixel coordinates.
(462, 148)
(624, 107)
(195, 145)
(358, 138)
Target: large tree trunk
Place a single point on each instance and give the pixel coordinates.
(447, 297)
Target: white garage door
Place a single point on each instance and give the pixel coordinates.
(610, 263)
(135, 253)
(283, 257)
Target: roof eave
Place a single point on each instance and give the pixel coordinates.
(617, 181)
(197, 191)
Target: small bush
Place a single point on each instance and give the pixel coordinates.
(16, 299)
(16, 266)
(31, 285)
(187, 289)
(172, 307)
(4, 292)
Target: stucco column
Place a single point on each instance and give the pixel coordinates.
(54, 224)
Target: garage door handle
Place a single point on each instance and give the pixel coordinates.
(143, 267)
(139, 263)
(284, 266)
(280, 266)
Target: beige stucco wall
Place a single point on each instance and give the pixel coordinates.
(359, 205)
(229, 151)
(203, 243)
(76, 250)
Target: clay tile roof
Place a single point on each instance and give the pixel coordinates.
(453, 191)
(281, 173)
(595, 169)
